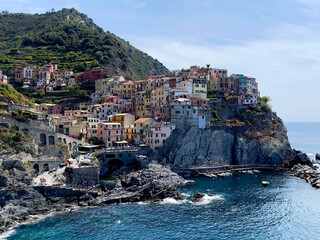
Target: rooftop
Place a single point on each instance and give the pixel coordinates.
(142, 120)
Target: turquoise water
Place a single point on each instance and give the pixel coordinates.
(241, 208)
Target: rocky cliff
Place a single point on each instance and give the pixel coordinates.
(241, 138)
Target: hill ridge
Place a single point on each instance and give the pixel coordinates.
(73, 41)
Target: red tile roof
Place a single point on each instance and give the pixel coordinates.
(142, 120)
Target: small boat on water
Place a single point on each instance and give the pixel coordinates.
(256, 171)
(265, 183)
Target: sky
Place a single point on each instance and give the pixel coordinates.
(275, 41)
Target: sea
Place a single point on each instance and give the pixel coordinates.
(239, 208)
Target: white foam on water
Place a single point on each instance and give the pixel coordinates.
(208, 199)
(172, 201)
(189, 181)
(7, 234)
(186, 194)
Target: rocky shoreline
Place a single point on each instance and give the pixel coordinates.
(21, 203)
(309, 173)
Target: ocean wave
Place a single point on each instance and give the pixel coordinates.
(189, 181)
(208, 199)
(186, 194)
(7, 234)
(172, 201)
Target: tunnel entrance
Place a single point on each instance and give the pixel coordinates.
(112, 166)
(46, 167)
(36, 168)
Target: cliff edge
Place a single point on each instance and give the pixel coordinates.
(236, 136)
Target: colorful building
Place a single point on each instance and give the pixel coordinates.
(140, 126)
(110, 133)
(91, 75)
(157, 134)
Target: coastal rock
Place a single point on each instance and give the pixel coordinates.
(260, 141)
(308, 173)
(198, 197)
(152, 183)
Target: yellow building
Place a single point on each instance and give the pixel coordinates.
(129, 133)
(140, 106)
(200, 88)
(125, 90)
(125, 119)
(213, 85)
(140, 126)
(159, 97)
(93, 123)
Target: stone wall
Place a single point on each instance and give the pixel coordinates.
(44, 137)
(113, 161)
(49, 191)
(13, 107)
(82, 177)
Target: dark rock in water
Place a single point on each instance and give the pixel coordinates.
(297, 157)
(310, 174)
(317, 156)
(198, 197)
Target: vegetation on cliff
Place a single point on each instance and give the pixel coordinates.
(11, 139)
(9, 94)
(71, 40)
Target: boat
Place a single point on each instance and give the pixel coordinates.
(265, 183)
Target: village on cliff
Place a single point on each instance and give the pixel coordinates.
(125, 113)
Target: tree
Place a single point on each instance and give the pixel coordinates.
(95, 141)
(94, 64)
(81, 135)
(264, 99)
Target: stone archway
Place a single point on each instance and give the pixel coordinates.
(43, 139)
(45, 167)
(51, 140)
(114, 164)
(36, 168)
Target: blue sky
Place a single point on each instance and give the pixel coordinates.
(276, 41)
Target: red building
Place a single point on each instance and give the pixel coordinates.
(172, 82)
(91, 75)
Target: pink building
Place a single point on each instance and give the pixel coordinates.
(199, 102)
(194, 69)
(49, 68)
(248, 99)
(114, 99)
(52, 108)
(157, 134)
(111, 133)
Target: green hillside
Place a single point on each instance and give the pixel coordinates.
(9, 95)
(71, 40)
